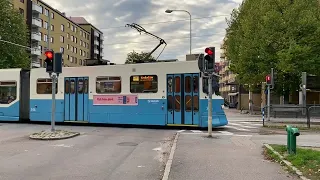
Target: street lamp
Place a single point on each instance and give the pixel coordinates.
(170, 11)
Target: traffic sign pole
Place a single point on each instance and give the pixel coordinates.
(53, 111)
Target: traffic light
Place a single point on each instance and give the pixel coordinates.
(49, 61)
(210, 59)
(201, 64)
(268, 80)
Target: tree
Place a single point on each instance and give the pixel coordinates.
(279, 34)
(13, 28)
(134, 57)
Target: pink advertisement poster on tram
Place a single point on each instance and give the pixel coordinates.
(115, 100)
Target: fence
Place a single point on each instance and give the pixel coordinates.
(292, 114)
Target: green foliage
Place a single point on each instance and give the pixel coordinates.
(134, 57)
(13, 28)
(279, 34)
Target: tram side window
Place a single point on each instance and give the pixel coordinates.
(44, 86)
(8, 91)
(144, 84)
(108, 84)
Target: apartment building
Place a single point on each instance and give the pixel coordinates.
(52, 29)
(227, 85)
(96, 38)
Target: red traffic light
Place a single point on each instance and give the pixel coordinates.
(49, 54)
(208, 51)
(268, 78)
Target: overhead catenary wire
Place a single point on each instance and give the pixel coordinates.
(161, 22)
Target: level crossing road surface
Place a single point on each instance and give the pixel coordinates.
(98, 153)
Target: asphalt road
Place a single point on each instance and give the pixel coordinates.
(98, 153)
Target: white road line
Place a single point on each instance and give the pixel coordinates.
(181, 131)
(196, 131)
(240, 129)
(235, 124)
(226, 132)
(169, 162)
(218, 134)
(254, 124)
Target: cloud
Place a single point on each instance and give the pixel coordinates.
(208, 24)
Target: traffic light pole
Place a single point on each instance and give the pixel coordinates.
(53, 76)
(210, 106)
(268, 102)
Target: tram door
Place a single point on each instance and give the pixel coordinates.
(76, 99)
(183, 99)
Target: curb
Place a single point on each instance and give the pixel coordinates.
(169, 162)
(297, 171)
(55, 138)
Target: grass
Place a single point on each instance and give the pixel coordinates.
(306, 160)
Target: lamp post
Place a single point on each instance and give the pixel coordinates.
(170, 11)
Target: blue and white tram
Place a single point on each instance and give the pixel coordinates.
(164, 94)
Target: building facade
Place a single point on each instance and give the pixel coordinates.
(51, 29)
(96, 38)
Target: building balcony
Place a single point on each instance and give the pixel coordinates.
(96, 42)
(36, 8)
(222, 55)
(96, 51)
(96, 34)
(36, 52)
(36, 37)
(36, 22)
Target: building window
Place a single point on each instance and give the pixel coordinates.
(72, 38)
(68, 46)
(52, 27)
(51, 40)
(52, 15)
(68, 35)
(144, 84)
(41, 9)
(80, 61)
(22, 1)
(44, 86)
(80, 32)
(8, 91)
(84, 54)
(68, 57)
(75, 29)
(80, 42)
(75, 60)
(62, 27)
(80, 52)
(41, 35)
(46, 12)
(45, 25)
(45, 38)
(68, 25)
(62, 50)
(72, 28)
(21, 11)
(75, 50)
(108, 84)
(62, 39)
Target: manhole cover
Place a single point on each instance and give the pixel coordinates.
(127, 144)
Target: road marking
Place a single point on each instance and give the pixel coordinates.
(242, 125)
(196, 131)
(181, 131)
(61, 145)
(240, 129)
(226, 132)
(254, 124)
(169, 162)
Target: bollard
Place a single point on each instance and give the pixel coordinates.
(294, 133)
(288, 129)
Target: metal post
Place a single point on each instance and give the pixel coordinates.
(263, 116)
(190, 32)
(268, 102)
(49, 29)
(53, 102)
(210, 106)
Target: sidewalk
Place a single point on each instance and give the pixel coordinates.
(222, 158)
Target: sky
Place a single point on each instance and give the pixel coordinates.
(208, 23)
